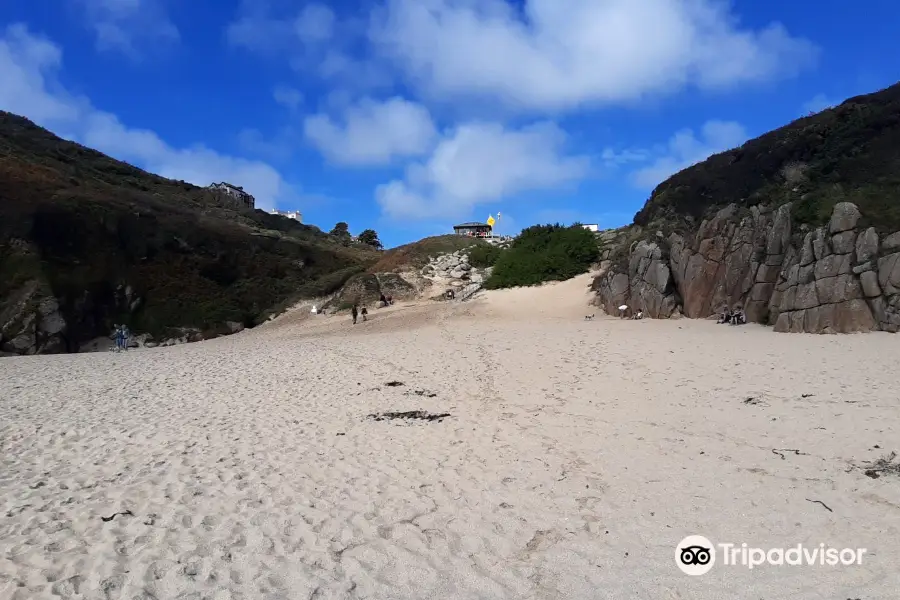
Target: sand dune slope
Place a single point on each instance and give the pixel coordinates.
(575, 457)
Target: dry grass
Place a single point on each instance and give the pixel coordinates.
(416, 254)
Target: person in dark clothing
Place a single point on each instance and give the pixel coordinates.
(383, 300)
(355, 312)
(364, 312)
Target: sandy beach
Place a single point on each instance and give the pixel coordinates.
(576, 455)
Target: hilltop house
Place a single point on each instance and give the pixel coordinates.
(290, 214)
(233, 194)
(592, 227)
(473, 229)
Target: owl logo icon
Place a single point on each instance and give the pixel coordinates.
(695, 555)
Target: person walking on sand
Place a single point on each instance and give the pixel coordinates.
(364, 312)
(355, 312)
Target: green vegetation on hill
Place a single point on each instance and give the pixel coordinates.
(416, 254)
(113, 243)
(545, 253)
(484, 255)
(848, 153)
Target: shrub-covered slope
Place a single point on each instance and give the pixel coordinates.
(850, 153)
(87, 241)
(800, 227)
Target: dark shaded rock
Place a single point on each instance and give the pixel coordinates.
(807, 255)
(889, 273)
(867, 245)
(844, 242)
(869, 282)
(807, 296)
(891, 242)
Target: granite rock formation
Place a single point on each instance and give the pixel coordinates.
(799, 226)
(841, 277)
(448, 270)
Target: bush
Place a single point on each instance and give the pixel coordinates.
(484, 256)
(545, 253)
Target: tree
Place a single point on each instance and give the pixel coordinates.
(369, 237)
(341, 230)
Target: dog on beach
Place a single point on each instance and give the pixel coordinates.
(589, 317)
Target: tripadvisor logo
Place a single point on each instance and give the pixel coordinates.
(696, 555)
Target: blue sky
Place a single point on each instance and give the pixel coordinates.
(409, 115)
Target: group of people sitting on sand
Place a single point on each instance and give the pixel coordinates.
(635, 316)
(732, 317)
(386, 300)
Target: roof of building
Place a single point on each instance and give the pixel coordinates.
(472, 224)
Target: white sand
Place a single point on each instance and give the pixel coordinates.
(578, 454)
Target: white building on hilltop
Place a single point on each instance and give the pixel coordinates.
(290, 214)
(592, 227)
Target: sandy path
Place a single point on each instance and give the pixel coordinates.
(577, 456)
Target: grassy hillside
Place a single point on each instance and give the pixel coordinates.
(87, 228)
(416, 254)
(848, 153)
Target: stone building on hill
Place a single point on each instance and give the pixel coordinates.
(233, 194)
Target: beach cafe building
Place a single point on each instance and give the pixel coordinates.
(473, 229)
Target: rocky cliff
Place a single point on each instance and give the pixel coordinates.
(837, 278)
(800, 227)
(87, 241)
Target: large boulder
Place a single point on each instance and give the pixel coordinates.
(363, 289)
(844, 217)
(31, 322)
(392, 284)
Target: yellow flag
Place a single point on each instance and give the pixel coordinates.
(490, 221)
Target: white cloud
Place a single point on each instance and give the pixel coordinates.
(372, 133)
(315, 23)
(817, 104)
(616, 158)
(121, 24)
(260, 28)
(561, 55)
(311, 39)
(479, 163)
(28, 66)
(685, 149)
(287, 96)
